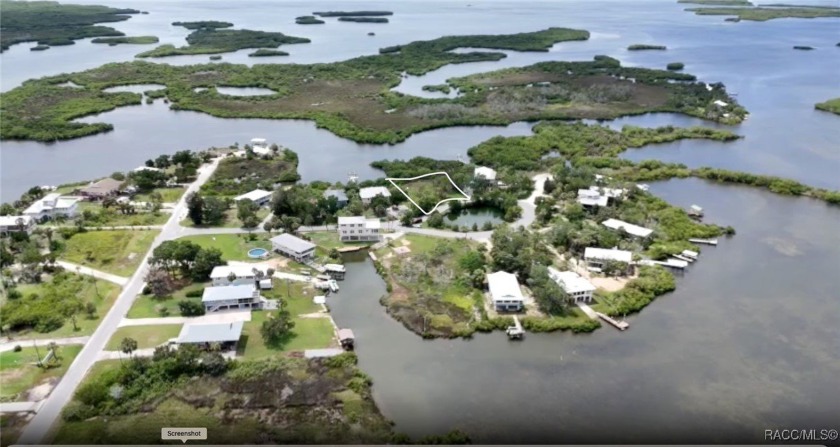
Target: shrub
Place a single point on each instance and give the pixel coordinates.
(195, 293)
(76, 412)
(675, 66)
(343, 360)
(18, 348)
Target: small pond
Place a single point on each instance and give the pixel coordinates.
(134, 88)
(244, 91)
(478, 215)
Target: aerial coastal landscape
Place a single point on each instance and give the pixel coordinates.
(375, 222)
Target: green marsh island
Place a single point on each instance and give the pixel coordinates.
(204, 24)
(363, 19)
(642, 47)
(133, 40)
(832, 105)
(308, 20)
(265, 52)
(353, 13)
(51, 23)
(769, 12)
(214, 40)
(355, 96)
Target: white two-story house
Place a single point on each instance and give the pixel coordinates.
(245, 296)
(357, 228)
(51, 206)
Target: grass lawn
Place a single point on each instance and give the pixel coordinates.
(308, 333)
(233, 222)
(18, 372)
(234, 247)
(146, 336)
(296, 295)
(420, 243)
(85, 288)
(329, 239)
(118, 252)
(145, 306)
(111, 217)
(169, 195)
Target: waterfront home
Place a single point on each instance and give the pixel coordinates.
(146, 168)
(260, 197)
(577, 288)
(16, 224)
(204, 335)
(294, 247)
(339, 195)
(505, 293)
(485, 173)
(245, 296)
(631, 229)
(106, 187)
(367, 194)
(51, 206)
(244, 274)
(590, 198)
(596, 257)
(357, 228)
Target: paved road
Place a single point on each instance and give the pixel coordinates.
(82, 270)
(50, 411)
(9, 345)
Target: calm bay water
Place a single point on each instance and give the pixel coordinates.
(751, 338)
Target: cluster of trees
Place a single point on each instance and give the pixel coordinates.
(186, 258)
(515, 251)
(277, 327)
(239, 175)
(550, 297)
(207, 210)
(186, 164)
(124, 390)
(652, 282)
(302, 205)
(58, 301)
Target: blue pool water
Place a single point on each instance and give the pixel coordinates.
(257, 253)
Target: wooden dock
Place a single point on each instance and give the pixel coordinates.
(620, 325)
(704, 241)
(515, 332)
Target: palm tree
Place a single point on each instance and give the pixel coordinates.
(128, 346)
(53, 346)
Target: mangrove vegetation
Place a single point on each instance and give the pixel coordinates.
(764, 13)
(51, 23)
(265, 52)
(134, 40)
(308, 20)
(353, 13)
(832, 105)
(353, 98)
(641, 47)
(205, 24)
(213, 41)
(363, 19)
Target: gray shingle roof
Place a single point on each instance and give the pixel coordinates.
(293, 243)
(224, 293)
(210, 332)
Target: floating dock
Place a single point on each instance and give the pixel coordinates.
(515, 332)
(704, 241)
(620, 325)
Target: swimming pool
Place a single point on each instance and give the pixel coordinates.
(257, 253)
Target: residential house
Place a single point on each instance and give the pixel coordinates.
(505, 293)
(357, 228)
(147, 168)
(293, 247)
(367, 194)
(633, 230)
(590, 198)
(220, 276)
(260, 197)
(577, 288)
(245, 296)
(51, 206)
(339, 195)
(205, 335)
(596, 257)
(104, 188)
(16, 224)
(485, 173)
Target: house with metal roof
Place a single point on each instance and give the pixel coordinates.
(221, 275)
(367, 194)
(505, 292)
(578, 288)
(259, 196)
(590, 198)
(51, 206)
(16, 224)
(596, 257)
(293, 247)
(245, 296)
(206, 334)
(631, 229)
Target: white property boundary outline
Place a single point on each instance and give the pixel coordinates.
(465, 199)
